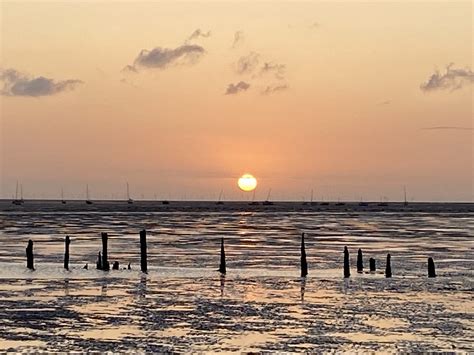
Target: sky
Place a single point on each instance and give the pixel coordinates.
(352, 100)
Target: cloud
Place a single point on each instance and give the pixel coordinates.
(238, 39)
(452, 79)
(270, 89)
(161, 58)
(277, 69)
(198, 33)
(233, 89)
(19, 84)
(436, 128)
(247, 64)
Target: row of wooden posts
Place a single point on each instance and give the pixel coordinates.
(103, 263)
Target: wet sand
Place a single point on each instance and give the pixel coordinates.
(183, 304)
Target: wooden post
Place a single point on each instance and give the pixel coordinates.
(99, 261)
(143, 256)
(372, 265)
(388, 267)
(67, 241)
(431, 268)
(29, 255)
(115, 265)
(222, 267)
(304, 264)
(105, 262)
(347, 267)
(360, 262)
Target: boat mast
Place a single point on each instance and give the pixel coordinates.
(16, 191)
(128, 192)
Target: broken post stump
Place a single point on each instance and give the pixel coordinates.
(29, 255)
(105, 262)
(372, 265)
(143, 256)
(304, 264)
(67, 241)
(99, 261)
(347, 267)
(388, 267)
(431, 268)
(115, 265)
(222, 267)
(360, 262)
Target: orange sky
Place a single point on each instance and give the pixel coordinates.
(340, 107)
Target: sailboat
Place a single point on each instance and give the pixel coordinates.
(63, 201)
(219, 201)
(267, 202)
(129, 200)
(405, 203)
(88, 201)
(253, 203)
(16, 201)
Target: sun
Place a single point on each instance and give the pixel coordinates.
(247, 182)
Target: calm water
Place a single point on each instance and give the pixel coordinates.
(261, 304)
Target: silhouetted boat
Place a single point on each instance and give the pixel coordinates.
(267, 202)
(339, 203)
(62, 197)
(253, 202)
(165, 202)
(129, 200)
(88, 201)
(17, 201)
(219, 201)
(405, 203)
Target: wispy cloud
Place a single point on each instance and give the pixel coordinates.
(161, 58)
(198, 33)
(233, 89)
(248, 63)
(271, 68)
(452, 79)
(457, 128)
(238, 39)
(270, 89)
(19, 84)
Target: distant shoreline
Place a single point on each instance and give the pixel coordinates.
(232, 206)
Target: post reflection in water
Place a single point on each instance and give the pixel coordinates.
(142, 286)
(222, 280)
(303, 287)
(66, 287)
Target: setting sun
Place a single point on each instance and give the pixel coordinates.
(247, 182)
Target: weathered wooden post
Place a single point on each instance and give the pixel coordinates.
(304, 264)
(105, 262)
(115, 265)
(143, 256)
(372, 265)
(347, 267)
(360, 262)
(99, 262)
(222, 268)
(388, 267)
(29, 255)
(431, 268)
(67, 241)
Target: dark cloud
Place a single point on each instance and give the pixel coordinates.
(19, 84)
(233, 89)
(238, 39)
(247, 64)
(270, 89)
(161, 58)
(277, 69)
(436, 128)
(452, 79)
(198, 33)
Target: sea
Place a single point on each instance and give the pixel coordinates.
(183, 304)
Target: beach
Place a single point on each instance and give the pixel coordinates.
(184, 305)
